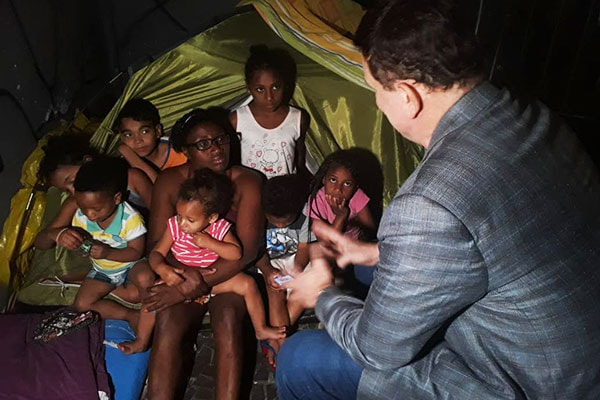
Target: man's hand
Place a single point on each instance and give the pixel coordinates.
(338, 205)
(307, 286)
(99, 250)
(344, 249)
(162, 297)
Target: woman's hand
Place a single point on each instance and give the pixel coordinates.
(338, 205)
(161, 297)
(193, 285)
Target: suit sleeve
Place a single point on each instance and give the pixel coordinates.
(429, 270)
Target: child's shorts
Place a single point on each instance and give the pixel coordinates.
(113, 279)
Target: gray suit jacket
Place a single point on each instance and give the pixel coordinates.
(488, 284)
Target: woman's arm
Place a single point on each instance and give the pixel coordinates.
(250, 225)
(139, 182)
(228, 248)
(135, 161)
(69, 238)
(164, 195)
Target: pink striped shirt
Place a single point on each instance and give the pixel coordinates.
(187, 252)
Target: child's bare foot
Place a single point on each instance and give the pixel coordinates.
(266, 332)
(136, 346)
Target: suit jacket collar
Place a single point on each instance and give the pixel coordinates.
(463, 111)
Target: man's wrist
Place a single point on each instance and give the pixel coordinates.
(324, 289)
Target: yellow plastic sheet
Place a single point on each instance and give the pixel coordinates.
(17, 238)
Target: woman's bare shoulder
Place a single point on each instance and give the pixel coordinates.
(172, 176)
(241, 175)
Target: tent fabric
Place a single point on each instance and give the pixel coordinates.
(326, 25)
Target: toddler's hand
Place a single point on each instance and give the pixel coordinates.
(202, 239)
(338, 205)
(99, 250)
(270, 279)
(70, 239)
(170, 276)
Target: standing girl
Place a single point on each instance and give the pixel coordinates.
(272, 131)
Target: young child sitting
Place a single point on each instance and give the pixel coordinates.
(143, 146)
(287, 237)
(197, 237)
(336, 198)
(272, 131)
(111, 232)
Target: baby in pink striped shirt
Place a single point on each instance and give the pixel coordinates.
(197, 237)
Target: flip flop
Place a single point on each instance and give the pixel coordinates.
(265, 347)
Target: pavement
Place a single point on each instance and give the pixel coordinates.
(201, 383)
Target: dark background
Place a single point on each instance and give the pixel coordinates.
(59, 55)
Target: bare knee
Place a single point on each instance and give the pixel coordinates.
(142, 276)
(227, 317)
(175, 325)
(82, 303)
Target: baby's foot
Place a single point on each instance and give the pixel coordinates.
(266, 332)
(135, 346)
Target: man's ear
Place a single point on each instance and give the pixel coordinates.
(118, 197)
(412, 98)
(213, 218)
(159, 130)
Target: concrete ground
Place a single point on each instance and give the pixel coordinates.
(201, 383)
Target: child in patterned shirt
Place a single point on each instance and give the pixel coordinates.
(112, 234)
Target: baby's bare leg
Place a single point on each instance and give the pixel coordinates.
(243, 285)
(142, 277)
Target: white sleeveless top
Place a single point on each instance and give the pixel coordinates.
(270, 151)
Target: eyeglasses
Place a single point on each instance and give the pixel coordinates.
(205, 144)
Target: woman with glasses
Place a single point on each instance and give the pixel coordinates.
(204, 136)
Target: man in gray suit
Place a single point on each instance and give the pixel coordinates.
(487, 281)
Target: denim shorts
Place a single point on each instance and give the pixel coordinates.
(114, 279)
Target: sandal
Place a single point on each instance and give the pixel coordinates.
(265, 347)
